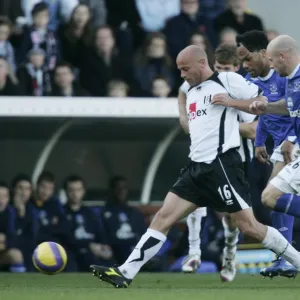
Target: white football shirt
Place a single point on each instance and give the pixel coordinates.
(244, 117)
(214, 129)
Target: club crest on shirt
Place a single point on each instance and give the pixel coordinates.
(207, 100)
(273, 88)
(297, 85)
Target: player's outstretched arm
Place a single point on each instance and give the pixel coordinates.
(183, 118)
(243, 105)
(276, 108)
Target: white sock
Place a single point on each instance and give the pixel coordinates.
(194, 226)
(231, 240)
(276, 242)
(147, 247)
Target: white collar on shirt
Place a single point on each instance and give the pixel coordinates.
(271, 72)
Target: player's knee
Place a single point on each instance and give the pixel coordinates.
(14, 256)
(267, 198)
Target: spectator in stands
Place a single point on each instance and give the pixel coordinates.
(98, 7)
(64, 85)
(123, 224)
(179, 29)
(160, 87)
(199, 39)
(211, 8)
(102, 62)
(6, 49)
(117, 88)
(45, 188)
(124, 18)
(75, 34)
(153, 60)
(51, 217)
(154, 13)
(226, 59)
(21, 193)
(272, 34)
(88, 237)
(26, 222)
(227, 36)
(9, 255)
(237, 18)
(39, 36)
(59, 11)
(34, 78)
(8, 87)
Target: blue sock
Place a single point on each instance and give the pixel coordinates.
(17, 268)
(288, 204)
(284, 224)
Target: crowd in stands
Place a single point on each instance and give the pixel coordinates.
(109, 48)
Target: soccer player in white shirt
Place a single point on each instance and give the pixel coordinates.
(226, 60)
(214, 177)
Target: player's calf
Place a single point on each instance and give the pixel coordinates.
(249, 226)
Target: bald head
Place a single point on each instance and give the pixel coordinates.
(191, 53)
(193, 65)
(283, 44)
(283, 54)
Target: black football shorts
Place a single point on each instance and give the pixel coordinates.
(220, 185)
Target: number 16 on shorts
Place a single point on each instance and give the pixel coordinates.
(225, 194)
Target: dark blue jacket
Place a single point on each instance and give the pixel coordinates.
(85, 228)
(180, 28)
(52, 221)
(124, 226)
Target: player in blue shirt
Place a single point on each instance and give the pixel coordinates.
(283, 54)
(252, 52)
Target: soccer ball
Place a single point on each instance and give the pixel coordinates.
(49, 258)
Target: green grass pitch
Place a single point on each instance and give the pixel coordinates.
(146, 286)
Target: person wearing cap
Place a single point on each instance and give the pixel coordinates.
(34, 78)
